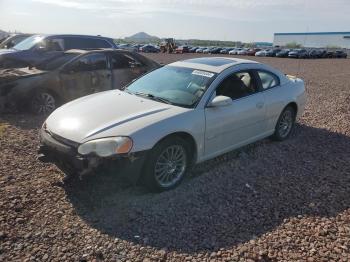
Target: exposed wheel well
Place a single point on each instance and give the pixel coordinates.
(35, 91)
(294, 106)
(50, 91)
(188, 138)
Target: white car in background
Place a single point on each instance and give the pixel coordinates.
(179, 115)
(261, 53)
(234, 51)
(244, 51)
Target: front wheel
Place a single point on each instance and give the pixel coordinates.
(285, 124)
(167, 164)
(43, 103)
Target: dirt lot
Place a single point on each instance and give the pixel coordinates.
(270, 201)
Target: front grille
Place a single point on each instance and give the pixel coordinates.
(63, 140)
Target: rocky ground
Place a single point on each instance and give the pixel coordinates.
(270, 201)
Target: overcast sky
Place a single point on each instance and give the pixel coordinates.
(244, 20)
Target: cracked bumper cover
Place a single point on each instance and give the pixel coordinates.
(11, 100)
(66, 158)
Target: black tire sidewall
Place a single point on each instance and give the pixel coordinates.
(38, 92)
(276, 135)
(149, 178)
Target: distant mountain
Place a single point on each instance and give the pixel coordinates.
(142, 37)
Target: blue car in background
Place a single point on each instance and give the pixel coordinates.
(149, 49)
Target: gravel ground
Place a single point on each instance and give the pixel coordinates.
(269, 201)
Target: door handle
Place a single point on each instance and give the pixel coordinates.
(259, 104)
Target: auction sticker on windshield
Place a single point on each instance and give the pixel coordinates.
(202, 73)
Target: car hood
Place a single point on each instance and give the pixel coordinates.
(109, 113)
(12, 74)
(7, 51)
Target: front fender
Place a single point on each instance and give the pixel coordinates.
(192, 123)
(23, 89)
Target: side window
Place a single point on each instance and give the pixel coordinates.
(123, 61)
(238, 85)
(90, 62)
(268, 80)
(85, 43)
(56, 44)
(102, 44)
(74, 43)
(52, 44)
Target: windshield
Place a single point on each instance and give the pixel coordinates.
(29, 42)
(12, 41)
(54, 63)
(175, 85)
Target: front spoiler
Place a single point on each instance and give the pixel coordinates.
(67, 159)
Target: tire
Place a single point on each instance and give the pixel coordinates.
(162, 173)
(43, 103)
(284, 124)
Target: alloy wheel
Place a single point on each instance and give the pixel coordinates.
(286, 123)
(43, 103)
(170, 165)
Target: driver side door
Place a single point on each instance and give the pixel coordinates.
(86, 75)
(240, 123)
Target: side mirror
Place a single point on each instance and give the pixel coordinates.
(220, 101)
(134, 64)
(67, 70)
(41, 49)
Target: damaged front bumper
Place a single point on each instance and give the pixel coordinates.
(7, 103)
(64, 155)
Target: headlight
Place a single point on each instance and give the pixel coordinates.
(106, 146)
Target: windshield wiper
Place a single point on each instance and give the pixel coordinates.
(153, 97)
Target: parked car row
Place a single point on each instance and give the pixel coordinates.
(147, 48)
(270, 52)
(290, 53)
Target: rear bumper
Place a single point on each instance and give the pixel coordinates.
(66, 158)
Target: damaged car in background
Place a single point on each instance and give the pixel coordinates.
(38, 48)
(171, 118)
(67, 76)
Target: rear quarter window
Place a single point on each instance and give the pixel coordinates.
(102, 43)
(268, 80)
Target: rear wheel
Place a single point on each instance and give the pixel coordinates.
(43, 103)
(167, 164)
(285, 124)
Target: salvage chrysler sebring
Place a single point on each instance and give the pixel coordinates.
(173, 117)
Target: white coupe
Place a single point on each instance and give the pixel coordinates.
(173, 117)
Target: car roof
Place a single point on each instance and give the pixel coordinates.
(85, 51)
(212, 64)
(73, 35)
